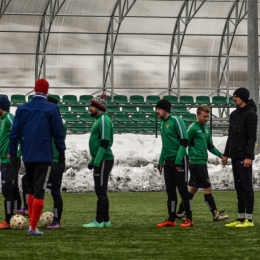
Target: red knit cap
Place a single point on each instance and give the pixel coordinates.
(42, 86)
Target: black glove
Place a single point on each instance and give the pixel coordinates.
(61, 157)
(14, 160)
(90, 166)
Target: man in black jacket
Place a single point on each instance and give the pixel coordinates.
(240, 148)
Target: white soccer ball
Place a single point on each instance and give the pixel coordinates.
(46, 219)
(18, 222)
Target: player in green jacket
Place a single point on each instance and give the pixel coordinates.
(100, 142)
(174, 160)
(200, 142)
(9, 172)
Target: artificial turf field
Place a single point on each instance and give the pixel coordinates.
(133, 234)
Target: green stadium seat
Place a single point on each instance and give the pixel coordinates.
(86, 118)
(219, 100)
(172, 99)
(148, 127)
(78, 128)
(64, 109)
(113, 110)
(122, 118)
(55, 96)
(231, 101)
(78, 109)
(118, 128)
(139, 118)
(109, 102)
(152, 99)
(190, 118)
(131, 127)
(137, 99)
(152, 118)
(85, 99)
(70, 118)
(180, 110)
(203, 100)
(129, 109)
(69, 99)
(18, 99)
(146, 109)
(30, 97)
(120, 99)
(187, 100)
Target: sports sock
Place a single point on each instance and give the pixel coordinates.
(37, 207)
(249, 217)
(58, 205)
(172, 209)
(181, 207)
(210, 202)
(30, 204)
(9, 207)
(188, 208)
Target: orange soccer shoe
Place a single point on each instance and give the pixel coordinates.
(167, 223)
(187, 223)
(4, 225)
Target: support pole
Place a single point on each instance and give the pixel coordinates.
(253, 60)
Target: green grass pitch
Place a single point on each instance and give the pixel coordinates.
(134, 234)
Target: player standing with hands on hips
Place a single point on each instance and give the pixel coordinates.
(174, 160)
(240, 148)
(35, 124)
(100, 142)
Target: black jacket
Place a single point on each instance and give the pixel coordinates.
(242, 132)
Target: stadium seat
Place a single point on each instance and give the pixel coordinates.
(120, 99)
(55, 96)
(118, 128)
(122, 118)
(187, 100)
(78, 128)
(231, 101)
(113, 110)
(203, 100)
(85, 99)
(148, 127)
(78, 109)
(30, 97)
(146, 109)
(152, 99)
(139, 118)
(129, 109)
(86, 118)
(189, 118)
(69, 99)
(70, 118)
(64, 109)
(109, 102)
(172, 99)
(219, 100)
(152, 118)
(131, 127)
(180, 110)
(137, 99)
(18, 99)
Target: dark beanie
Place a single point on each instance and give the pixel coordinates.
(52, 100)
(4, 103)
(165, 105)
(99, 102)
(242, 93)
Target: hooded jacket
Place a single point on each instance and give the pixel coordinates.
(242, 132)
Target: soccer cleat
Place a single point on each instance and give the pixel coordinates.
(181, 216)
(218, 216)
(35, 232)
(233, 224)
(23, 211)
(167, 223)
(245, 224)
(4, 225)
(94, 224)
(187, 223)
(107, 223)
(54, 224)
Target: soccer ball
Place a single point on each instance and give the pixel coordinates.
(46, 219)
(18, 222)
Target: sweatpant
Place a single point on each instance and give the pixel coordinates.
(179, 179)
(244, 188)
(101, 181)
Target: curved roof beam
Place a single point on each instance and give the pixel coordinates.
(122, 7)
(237, 13)
(188, 10)
(50, 12)
(3, 5)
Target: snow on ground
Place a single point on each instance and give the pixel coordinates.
(136, 157)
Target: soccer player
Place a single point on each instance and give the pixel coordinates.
(55, 179)
(35, 124)
(100, 142)
(199, 142)
(174, 160)
(240, 148)
(9, 170)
